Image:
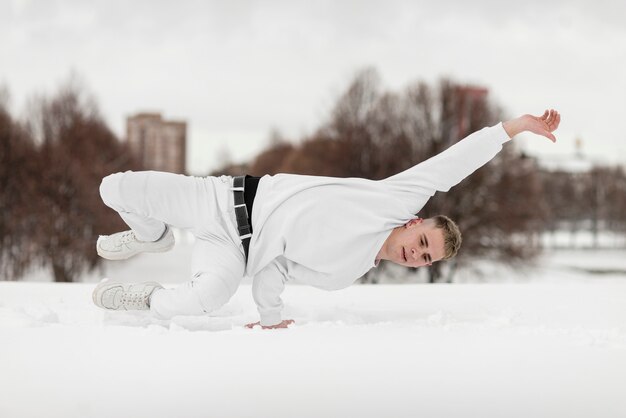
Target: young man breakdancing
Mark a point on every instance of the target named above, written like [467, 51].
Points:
[323, 231]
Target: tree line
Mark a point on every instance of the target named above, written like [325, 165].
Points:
[51, 165]
[502, 209]
[53, 159]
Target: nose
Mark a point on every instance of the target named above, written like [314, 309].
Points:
[416, 255]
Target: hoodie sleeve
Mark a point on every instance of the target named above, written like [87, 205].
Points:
[447, 168]
[267, 287]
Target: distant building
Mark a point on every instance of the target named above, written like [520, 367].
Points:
[157, 143]
[577, 162]
[468, 101]
[566, 164]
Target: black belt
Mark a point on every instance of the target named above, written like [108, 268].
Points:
[244, 190]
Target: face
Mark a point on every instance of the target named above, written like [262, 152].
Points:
[418, 243]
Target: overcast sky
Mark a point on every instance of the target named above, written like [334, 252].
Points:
[235, 69]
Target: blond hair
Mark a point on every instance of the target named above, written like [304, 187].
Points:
[451, 235]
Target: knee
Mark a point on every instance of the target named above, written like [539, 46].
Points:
[110, 189]
[212, 292]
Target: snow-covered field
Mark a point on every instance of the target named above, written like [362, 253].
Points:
[551, 343]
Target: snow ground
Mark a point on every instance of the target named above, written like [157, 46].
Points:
[543, 340]
[488, 350]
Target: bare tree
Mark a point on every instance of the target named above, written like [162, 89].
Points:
[18, 197]
[375, 134]
[272, 160]
[76, 150]
[349, 124]
[615, 200]
[593, 200]
[566, 195]
[499, 207]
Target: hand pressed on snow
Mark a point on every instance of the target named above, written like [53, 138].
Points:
[284, 324]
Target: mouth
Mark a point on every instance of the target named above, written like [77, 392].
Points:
[404, 254]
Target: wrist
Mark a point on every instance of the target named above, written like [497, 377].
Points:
[513, 127]
[270, 318]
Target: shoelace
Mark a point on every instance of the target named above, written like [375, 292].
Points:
[135, 300]
[127, 236]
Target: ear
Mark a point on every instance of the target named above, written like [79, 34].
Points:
[413, 222]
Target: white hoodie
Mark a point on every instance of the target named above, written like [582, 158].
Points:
[326, 231]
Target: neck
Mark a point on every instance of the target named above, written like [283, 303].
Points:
[382, 253]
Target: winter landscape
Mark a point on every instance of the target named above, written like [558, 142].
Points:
[529, 321]
[547, 340]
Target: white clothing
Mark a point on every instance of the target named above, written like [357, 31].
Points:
[322, 231]
[326, 232]
[148, 200]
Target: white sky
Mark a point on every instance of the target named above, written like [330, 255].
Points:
[235, 69]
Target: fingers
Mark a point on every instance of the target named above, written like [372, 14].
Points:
[284, 324]
[551, 118]
[552, 122]
[550, 136]
[557, 121]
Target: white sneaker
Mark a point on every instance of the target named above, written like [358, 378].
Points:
[119, 296]
[125, 244]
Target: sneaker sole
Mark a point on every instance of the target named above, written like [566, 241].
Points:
[94, 293]
[126, 255]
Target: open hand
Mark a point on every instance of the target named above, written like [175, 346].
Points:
[284, 324]
[543, 125]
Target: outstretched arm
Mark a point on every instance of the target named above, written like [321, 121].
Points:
[541, 125]
[417, 184]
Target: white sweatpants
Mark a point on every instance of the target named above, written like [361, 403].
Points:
[148, 200]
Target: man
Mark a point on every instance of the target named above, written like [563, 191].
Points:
[323, 231]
